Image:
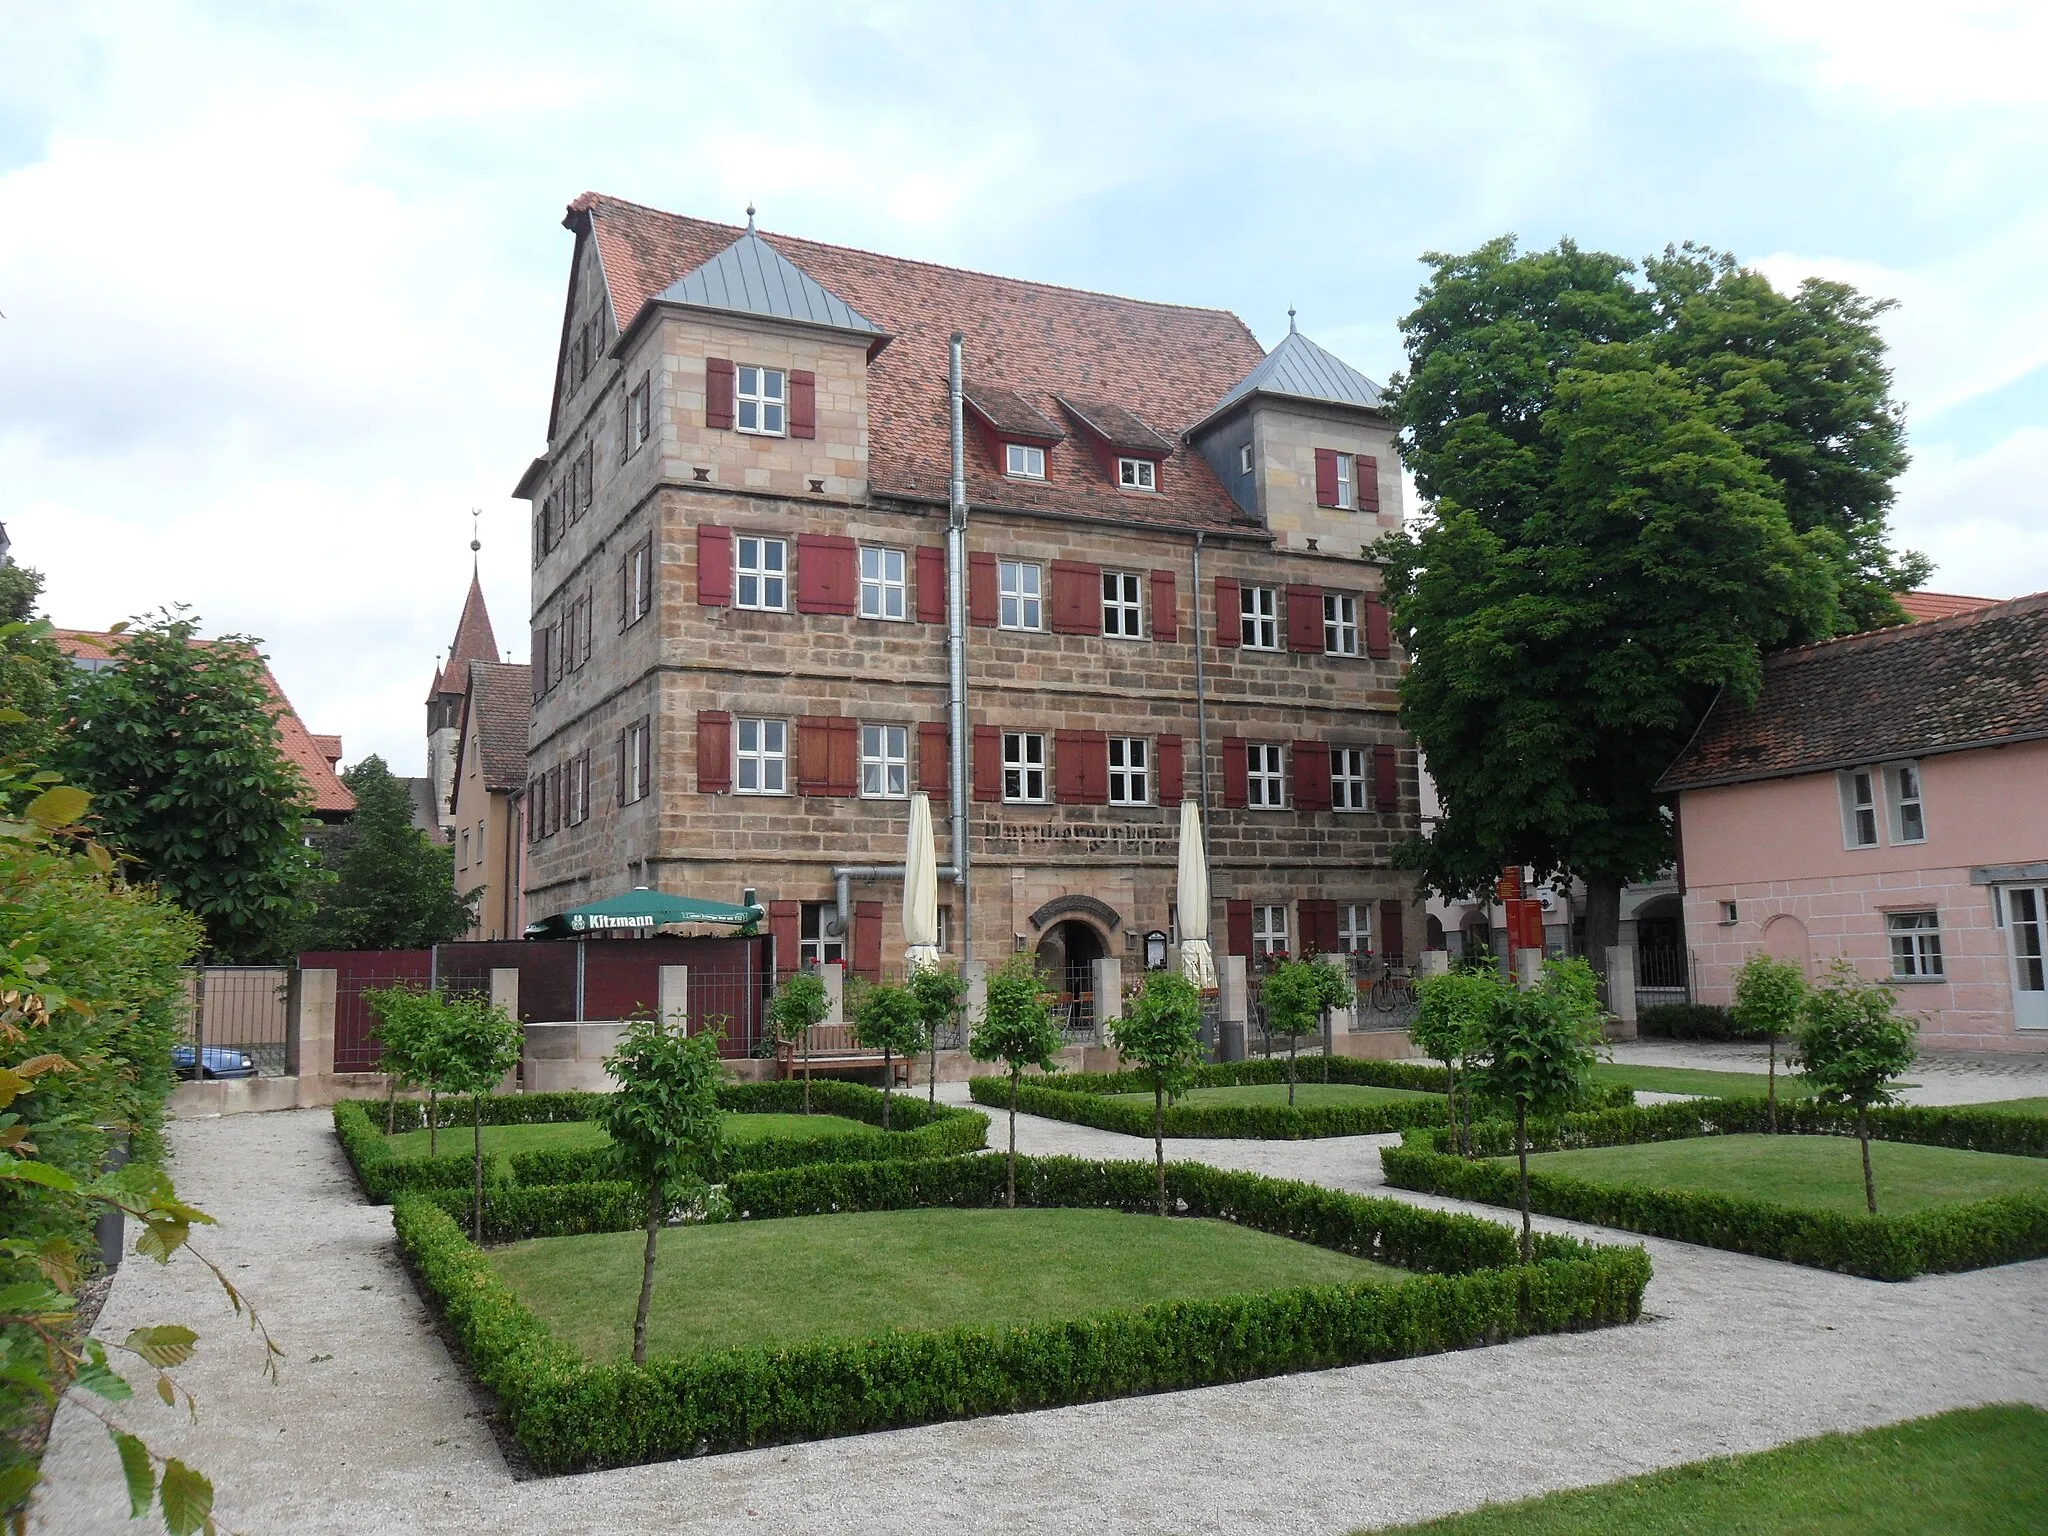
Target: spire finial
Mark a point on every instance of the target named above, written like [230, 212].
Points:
[750, 215]
[476, 542]
[1290, 319]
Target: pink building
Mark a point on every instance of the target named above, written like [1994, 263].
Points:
[1885, 799]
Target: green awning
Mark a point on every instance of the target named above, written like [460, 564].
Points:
[642, 911]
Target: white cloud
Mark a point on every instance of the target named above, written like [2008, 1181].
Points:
[1979, 516]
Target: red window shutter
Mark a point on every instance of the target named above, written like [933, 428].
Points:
[803, 403]
[1379, 643]
[1305, 619]
[714, 565]
[1167, 750]
[714, 752]
[1386, 786]
[1094, 767]
[1229, 617]
[1311, 776]
[619, 769]
[1365, 473]
[988, 763]
[843, 757]
[1237, 927]
[932, 764]
[1329, 940]
[1066, 768]
[814, 755]
[1326, 478]
[784, 918]
[1076, 598]
[1390, 941]
[826, 574]
[625, 590]
[1165, 608]
[867, 940]
[982, 604]
[1235, 785]
[718, 392]
[647, 754]
[931, 585]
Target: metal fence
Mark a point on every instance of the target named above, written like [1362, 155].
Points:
[1662, 968]
[358, 972]
[234, 1021]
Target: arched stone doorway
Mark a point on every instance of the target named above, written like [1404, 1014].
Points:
[1067, 952]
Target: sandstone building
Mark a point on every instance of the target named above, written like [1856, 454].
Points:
[739, 663]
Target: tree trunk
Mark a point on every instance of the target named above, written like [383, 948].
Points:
[888, 1079]
[931, 1082]
[1451, 1104]
[1522, 1156]
[1771, 1085]
[391, 1107]
[1863, 1135]
[1465, 1102]
[647, 1275]
[477, 1183]
[1603, 923]
[1159, 1138]
[1010, 1189]
[1329, 1044]
[807, 1069]
[1292, 1041]
[433, 1124]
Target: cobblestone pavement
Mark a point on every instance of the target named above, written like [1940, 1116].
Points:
[375, 1428]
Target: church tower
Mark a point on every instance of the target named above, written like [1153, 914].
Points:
[473, 642]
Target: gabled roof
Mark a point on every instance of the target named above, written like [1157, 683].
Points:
[1974, 679]
[473, 642]
[751, 277]
[1010, 414]
[1168, 362]
[1116, 427]
[306, 752]
[1301, 370]
[496, 712]
[1940, 605]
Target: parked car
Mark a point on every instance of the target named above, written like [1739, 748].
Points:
[212, 1061]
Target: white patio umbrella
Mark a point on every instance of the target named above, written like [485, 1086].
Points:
[1191, 896]
[921, 887]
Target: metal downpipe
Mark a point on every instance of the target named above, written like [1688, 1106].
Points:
[956, 645]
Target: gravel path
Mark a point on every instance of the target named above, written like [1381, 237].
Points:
[1938, 1077]
[1736, 1354]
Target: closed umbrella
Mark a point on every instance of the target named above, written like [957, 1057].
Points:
[921, 887]
[1191, 894]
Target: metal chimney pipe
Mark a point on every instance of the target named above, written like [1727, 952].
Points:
[956, 643]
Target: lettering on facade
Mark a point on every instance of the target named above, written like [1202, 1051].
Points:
[1071, 839]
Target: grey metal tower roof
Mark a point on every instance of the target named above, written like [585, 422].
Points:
[751, 277]
[1303, 370]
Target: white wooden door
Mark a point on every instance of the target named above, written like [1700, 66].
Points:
[2026, 944]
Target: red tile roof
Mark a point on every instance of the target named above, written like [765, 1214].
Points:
[1940, 605]
[1974, 678]
[308, 753]
[1169, 364]
[499, 706]
[473, 642]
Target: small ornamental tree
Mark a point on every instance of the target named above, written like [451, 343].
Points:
[1768, 997]
[1161, 1031]
[1452, 1010]
[938, 990]
[1853, 1046]
[890, 1020]
[1294, 995]
[402, 1014]
[1539, 1047]
[1016, 1028]
[800, 1003]
[479, 1043]
[667, 1131]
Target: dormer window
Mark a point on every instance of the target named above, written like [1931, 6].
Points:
[1244, 459]
[1137, 474]
[1022, 461]
[762, 399]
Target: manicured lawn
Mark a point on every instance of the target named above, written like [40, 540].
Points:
[2009, 1106]
[1307, 1095]
[1973, 1472]
[1720, 1085]
[776, 1282]
[506, 1140]
[1813, 1172]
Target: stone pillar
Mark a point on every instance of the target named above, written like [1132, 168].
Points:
[672, 997]
[975, 974]
[1109, 995]
[1341, 1020]
[834, 977]
[309, 1024]
[1234, 1009]
[1528, 967]
[505, 996]
[1621, 991]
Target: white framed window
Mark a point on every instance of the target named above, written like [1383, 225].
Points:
[763, 757]
[578, 776]
[1022, 461]
[1122, 613]
[1259, 618]
[884, 761]
[1908, 815]
[1023, 767]
[1269, 929]
[639, 414]
[640, 580]
[1859, 808]
[1354, 927]
[1265, 776]
[763, 574]
[762, 399]
[1244, 459]
[1130, 772]
[1137, 474]
[1347, 496]
[1020, 587]
[881, 583]
[1340, 624]
[1347, 778]
[945, 916]
[1916, 945]
[816, 945]
[639, 759]
[465, 849]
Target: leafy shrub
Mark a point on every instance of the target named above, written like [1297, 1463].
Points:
[1688, 1021]
[571, 1415]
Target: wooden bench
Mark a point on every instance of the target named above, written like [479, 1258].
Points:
[833, 1052]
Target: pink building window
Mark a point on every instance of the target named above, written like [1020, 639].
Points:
[1916, 945]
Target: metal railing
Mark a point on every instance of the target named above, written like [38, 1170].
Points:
[235, 1022]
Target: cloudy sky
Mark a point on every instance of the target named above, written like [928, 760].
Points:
[282, 283]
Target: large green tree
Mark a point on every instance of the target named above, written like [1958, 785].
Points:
[394, 887]
[178, 743]
[1634, 490]
[32, 671]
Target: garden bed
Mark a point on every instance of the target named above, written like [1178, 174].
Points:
[1717, 1187]
[551, 1138]
[1399, 1094]
[1463, 1288]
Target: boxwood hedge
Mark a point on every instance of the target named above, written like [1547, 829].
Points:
[1087, 1098]
[571, 1415]
[1969, 1235]
[917, 1130]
